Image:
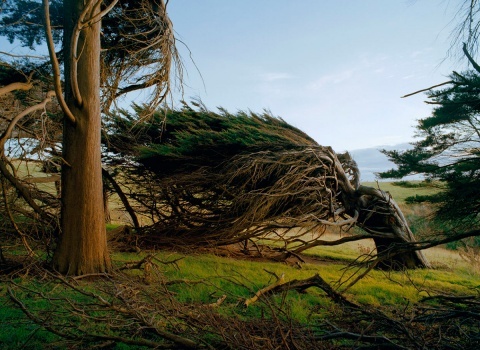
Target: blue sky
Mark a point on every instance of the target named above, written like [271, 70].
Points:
[334, 68]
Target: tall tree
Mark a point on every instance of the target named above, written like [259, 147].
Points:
[83, 244]
[139, 54]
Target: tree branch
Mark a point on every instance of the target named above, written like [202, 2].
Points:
[430, 88]
[123, 198]
[6, 134]
[470, 58]
[15, 86]
[55, 64]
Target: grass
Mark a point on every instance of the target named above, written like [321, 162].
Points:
[206, 277]
[241, 279]
[399, 193]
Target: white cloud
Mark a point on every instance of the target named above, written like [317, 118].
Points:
[330, 79]
[275, 76]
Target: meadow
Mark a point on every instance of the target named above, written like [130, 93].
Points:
[195, 280]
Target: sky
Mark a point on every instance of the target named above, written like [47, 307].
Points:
[336, 69]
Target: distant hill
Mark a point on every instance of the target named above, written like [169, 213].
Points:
[371, 161]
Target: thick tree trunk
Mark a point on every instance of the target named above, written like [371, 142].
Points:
[380, 215]
[83, 245]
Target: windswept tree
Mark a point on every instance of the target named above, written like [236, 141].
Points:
[211, 179]
[106, 49]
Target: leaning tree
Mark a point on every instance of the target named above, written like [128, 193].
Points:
[107, 49]
[209, 179]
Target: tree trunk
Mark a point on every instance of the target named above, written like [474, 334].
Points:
[82, 247]
[380, 215]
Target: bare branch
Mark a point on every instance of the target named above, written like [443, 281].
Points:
[55, 64]
[280, 280]
[470, 58]
[31, 109]
[15, 86]
[430, 88]
[21, 56]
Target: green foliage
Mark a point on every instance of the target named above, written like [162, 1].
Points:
[179, 140]
[410, 184]
[418, 199]
[448, 152]
[22, 20]
[473, 242]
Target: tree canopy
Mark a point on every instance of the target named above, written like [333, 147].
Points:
[137, 40]
[207, 178]
[448, 151]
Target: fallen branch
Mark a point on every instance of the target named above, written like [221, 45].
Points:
[263, 291]
[218, 302]
[301, 285]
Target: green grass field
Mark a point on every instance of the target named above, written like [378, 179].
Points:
[203, 278]
[206, 277]
[399, 193]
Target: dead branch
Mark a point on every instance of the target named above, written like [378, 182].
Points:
[378, 340]
[218, 302]
[263, 291]
[6, 134]
[301, 285]
[128, 310]
[14, 224]
[470, 58]
[123, 198]
[430, 88]
[15, 86]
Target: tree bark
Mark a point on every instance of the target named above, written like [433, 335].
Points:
[82, 248]
[380, 214]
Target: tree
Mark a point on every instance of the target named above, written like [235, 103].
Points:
[83, 244]
[143, 39]
[220, 178]
[449, 152]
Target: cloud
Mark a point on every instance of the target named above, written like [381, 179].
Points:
[275, 76]
[418, 53]
[330, 79]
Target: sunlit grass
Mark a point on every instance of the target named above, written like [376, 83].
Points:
[203, 278]
[399, 193]
[241, 278]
